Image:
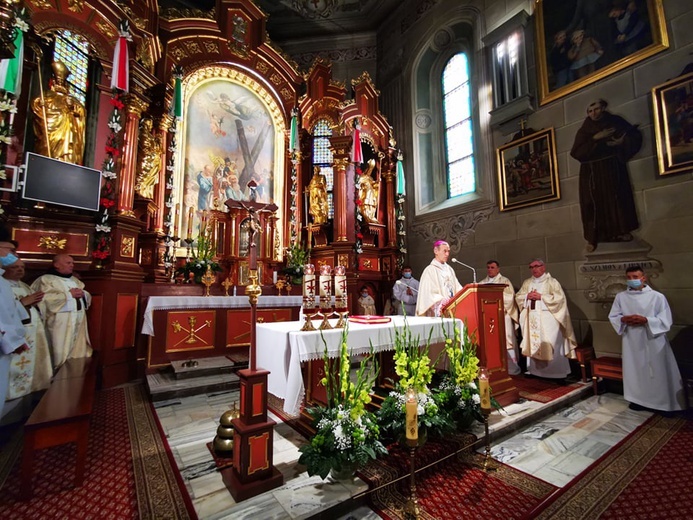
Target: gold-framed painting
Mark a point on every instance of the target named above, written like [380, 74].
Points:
[673, 109]
[528, 171]
[582, 41]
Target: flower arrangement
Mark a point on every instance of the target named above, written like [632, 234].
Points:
[457, 390]
[347, 435]
[415, 370]
[296, 258]
[102, 235]
[202, 255]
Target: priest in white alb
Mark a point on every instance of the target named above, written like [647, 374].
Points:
[30, 370]
[642, 317]
[438, 283]
[548, 340]
[512, 322]
[66, 305]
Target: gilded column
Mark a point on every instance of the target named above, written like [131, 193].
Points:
[389, 175]
[340, 154]
[128, 164]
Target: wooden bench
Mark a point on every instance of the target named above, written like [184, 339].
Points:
[607, 368]
[62, 416]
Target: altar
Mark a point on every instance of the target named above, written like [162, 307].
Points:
[282, 347]
[184, 327]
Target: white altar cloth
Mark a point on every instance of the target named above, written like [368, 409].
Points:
[159, 303]
[282, 347]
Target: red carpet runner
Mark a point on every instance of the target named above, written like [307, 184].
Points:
[453, 488]
[648, 475]
[128, 475]
[542, 390]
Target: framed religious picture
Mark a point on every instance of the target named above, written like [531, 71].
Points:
[527, 171]
[8, 178]
[582, 41]
[673, 110]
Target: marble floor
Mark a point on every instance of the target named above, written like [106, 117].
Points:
[555, 448]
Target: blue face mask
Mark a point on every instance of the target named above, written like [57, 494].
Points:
[634, 284]
[8, 260]
[364, 294]
[406, 275]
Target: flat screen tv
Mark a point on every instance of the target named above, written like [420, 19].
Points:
[57, 182]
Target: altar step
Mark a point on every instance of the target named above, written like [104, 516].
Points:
[204, 375]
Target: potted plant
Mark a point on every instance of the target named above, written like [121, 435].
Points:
[457, 388]
[296, 258]
[346, 434]
[202, 256]
[415, 370]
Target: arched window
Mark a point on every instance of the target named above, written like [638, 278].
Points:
[459, 133]
[322, 157]
[73, 50]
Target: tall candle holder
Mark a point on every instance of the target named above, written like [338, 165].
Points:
[485, 394]
[309, 309]
[411, 509]
[325, 296]
[340, 296]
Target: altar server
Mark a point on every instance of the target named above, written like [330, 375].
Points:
[642, 317]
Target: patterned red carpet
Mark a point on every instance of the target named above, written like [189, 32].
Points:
[129, 474]
[454, 488]
[542, 390]
[648, 475]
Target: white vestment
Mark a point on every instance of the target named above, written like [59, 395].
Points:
[31, 370]
[651, 377]
[365, 306]
[66, 319]
[511, 321]
[548, 339]
[11, 334]
[438, 284]
[405, 303]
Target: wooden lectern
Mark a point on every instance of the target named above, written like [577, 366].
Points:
[480, 307]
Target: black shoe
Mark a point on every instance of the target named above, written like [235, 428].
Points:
[668, 415]
[636, 407]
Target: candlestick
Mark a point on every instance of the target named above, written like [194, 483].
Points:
[484, 390]
[190, 223]
[176, 216]
[274, 278]
[412, 409]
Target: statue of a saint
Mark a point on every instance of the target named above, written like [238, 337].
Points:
[368, 194]
[59, 120]
[150, 160]
[317, 191]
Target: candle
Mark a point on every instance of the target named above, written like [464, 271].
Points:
[176, 216]
[412, 409]
[340, 282]
[274, 277]
[484, 390]
[190, 223]
[309, 281]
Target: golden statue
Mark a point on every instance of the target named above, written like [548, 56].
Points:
[368, 194]
[61, 117]
[150, 160]
[317, 190]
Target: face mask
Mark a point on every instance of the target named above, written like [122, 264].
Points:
[364, 294]
[406, 275]
[634, 284]
[8, 260]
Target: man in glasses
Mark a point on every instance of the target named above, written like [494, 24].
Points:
[548, 339]
[438, 282]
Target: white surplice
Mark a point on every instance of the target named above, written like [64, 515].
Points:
[438, 284]
[405, 303]
[511, 321]
[651, 377]
[11, 334]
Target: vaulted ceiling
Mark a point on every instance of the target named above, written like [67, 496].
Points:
[301, 19]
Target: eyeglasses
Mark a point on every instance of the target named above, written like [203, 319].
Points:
[536, 266]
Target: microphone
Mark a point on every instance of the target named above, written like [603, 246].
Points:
[455, 260]
[407, 286]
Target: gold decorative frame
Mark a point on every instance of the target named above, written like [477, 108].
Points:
[528, 171]
[552, 16]
[8, 178]
[674, 144]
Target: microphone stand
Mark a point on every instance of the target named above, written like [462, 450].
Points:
[455, 260]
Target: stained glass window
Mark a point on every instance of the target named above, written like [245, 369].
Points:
[73, 50]
[459, 133]
[322, 156]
